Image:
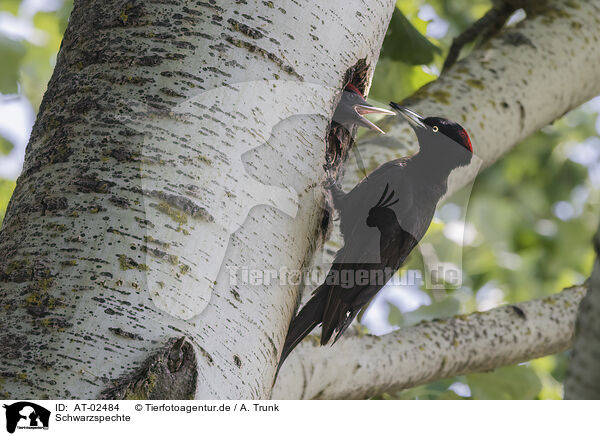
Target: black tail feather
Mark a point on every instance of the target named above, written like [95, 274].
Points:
[347, 322]
[334, 310]
[335, 315]
[305, 321]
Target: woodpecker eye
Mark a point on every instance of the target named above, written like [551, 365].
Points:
[435, 128]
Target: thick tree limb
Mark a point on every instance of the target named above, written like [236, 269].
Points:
[359, 367]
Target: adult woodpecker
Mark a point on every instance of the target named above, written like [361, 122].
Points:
[381, 219]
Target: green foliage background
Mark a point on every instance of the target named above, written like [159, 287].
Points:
[521, 247]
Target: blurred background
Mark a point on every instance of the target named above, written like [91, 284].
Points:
[530, 217]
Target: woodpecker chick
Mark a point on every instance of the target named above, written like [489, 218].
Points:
[353, 107]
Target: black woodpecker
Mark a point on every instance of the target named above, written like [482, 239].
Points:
[381, 219]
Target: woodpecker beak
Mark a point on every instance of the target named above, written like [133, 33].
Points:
[364, 109]
[413, 118]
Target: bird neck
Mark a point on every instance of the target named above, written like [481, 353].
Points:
[432, 168]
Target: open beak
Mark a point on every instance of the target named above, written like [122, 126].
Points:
[364, 109]
[412, 117]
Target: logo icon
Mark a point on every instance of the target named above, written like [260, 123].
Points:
[26, 415]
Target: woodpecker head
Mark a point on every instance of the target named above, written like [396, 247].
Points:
[439, 137]
[353, 107]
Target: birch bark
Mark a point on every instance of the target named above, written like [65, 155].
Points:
[177, 140]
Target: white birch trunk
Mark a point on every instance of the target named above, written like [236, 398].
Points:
[151, 148]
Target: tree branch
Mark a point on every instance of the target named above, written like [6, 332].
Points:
[360, 367]
[490, 23]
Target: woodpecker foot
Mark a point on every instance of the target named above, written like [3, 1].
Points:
[332, 185]
[330, 178]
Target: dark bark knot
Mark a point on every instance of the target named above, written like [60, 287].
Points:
[170, 373]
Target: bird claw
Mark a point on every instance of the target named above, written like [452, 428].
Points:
[329, 183]
[330, 179]
[332, 186]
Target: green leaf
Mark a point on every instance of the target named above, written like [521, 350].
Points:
[11, 53]
[11, 6]
[437, 390]
[5, 145]
[448, 307]
[404, 43]
[6, 189]
[63, 15]
[442, 309]
[394, 81]
[38, 63]
[519, 382]
[395, 316]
